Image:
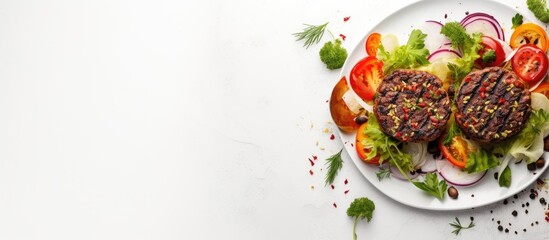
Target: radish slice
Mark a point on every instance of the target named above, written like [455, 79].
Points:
[457, 176]
[396, 173]
[429, 166]
[446, 54]
[483, 23]
[434, 40]
[389, 42]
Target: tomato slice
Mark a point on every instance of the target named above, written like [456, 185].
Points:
[456, 152]
[360, 150]
[529, 33]
[530, 63]
[543, 88]
[492, 53]
[372, 43]
[366, 76]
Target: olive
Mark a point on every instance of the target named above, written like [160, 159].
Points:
[361, 119]
[531, 166]
[453, 192]
[540, 163]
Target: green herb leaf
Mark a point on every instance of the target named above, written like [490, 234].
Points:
[468, 44]
[360, 208]
[383, 173]
[458, 227]
[539, 8]
[453, 131]
[311, 33]
[432, 186]
[333, 54]
[516, 20]
[489, 56]
[409, 56]
[335, 163]
[504, 178]
[480, 161]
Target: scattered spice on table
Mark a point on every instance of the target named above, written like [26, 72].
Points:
[345, 19]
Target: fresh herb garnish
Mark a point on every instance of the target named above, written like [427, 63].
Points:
[432, 186]
[516, 20]
[458, 227]
[383, 173]
[335, 163]
[480, 161]
[469, 46]
[360, 208]
[312, 34]
[409, 56]
[489, 56]
[333, 54]
[539, 8]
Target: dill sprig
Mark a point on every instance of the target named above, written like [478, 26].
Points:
[311, 33]
[383, 173]
[335, 163]
[458, 227]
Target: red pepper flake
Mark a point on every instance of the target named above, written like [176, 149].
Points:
[315, 157]
[398, 134]
[433, 119]
[405, 109]
[414, 124]
[332, 137]
[467, 79]
[482, 95]
[482, 89]
[346, 181]
[311, 172]
[427, 95]
[335, 205]
[501, 100]
[332, 186]
[312, 163]
[345, 19]
[346, 191]
[342, 37]
[485, 83]
[422, 104]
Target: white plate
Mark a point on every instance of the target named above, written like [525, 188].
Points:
[401, 23]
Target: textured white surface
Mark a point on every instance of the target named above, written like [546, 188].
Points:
[189, 120]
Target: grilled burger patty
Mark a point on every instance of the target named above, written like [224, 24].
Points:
[493, 104]
[412, 106]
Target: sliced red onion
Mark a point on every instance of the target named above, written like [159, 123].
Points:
[434, 40]
[457, 176]
[483, 23]
[445, 54]
[429, 166]
[396, 173]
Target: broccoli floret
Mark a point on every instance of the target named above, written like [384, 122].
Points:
[361, 208]
[333, 54]
[539, 8]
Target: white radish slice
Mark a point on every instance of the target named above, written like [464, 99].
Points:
[434, 40]
[429, 166]
[418, 151]
[509, 52]
[443, 54]
[457, 176]
[396, 173]
[484, 26]
[389, 42]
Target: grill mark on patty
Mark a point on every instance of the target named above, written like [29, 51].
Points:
[507, 117]
[493, 100]
[474, 93]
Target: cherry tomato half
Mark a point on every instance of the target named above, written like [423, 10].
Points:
[530, 63]
[360, 150]
[366, 76]
[529, 33]
[491, 54]
[456, 152]
[372, 43]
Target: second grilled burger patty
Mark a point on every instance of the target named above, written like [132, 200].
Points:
[412, 106]
[493, 104]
